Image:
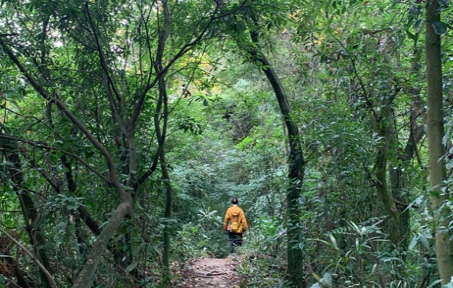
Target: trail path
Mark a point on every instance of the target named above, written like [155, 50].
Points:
[210, 272]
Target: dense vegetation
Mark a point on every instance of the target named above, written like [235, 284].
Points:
[128, 126]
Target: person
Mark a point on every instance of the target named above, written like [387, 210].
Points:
[232, 215]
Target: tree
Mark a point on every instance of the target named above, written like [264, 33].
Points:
[296, 165]
[435, 131]
[102, 82]
[255, 17]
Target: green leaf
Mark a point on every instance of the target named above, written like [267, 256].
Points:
[412, 9]
[373, 269]
[423, 240]
[418, 25]
[326, 280]
[131, 267]
[434, 283]
[443, 2]
[439, 27]
[434, 194]
[413, 243]
[334, 241]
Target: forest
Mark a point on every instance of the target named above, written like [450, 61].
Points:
[127, 126]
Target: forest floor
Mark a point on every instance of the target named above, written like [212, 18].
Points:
[208, 272]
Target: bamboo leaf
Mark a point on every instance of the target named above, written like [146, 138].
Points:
[423, 240]
[131, 267]
[333, 240]
[439, 27]
[443, 2]
[413, 243]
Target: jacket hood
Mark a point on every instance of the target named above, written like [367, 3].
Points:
[235, 210]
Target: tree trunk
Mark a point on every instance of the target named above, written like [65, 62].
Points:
[167, 215]
[85, 277]
[296, 171]
[398, 177]
[397, 182]
[161, 115]
[161, 134]
[28, 209]
[435, 128]
[123, 209]
[384, 130]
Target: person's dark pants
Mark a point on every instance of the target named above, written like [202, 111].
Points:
[235, 240]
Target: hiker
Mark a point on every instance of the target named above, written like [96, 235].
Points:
[235, 224]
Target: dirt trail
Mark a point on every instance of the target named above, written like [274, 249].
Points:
[210, 272]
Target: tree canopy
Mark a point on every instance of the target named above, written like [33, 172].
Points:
[128, 126]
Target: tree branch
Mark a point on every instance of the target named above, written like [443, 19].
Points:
[111, 83]
[63, 108]
[37, 262]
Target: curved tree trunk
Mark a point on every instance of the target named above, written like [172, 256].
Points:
[85, 277]
[435, 127]
[384, 128]
[161, 115]
[296, 168]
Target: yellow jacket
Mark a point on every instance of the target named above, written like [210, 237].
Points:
[233, 212]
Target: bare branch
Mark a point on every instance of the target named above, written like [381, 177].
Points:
[37, 262]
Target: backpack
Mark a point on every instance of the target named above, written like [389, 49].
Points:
[235, 227]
